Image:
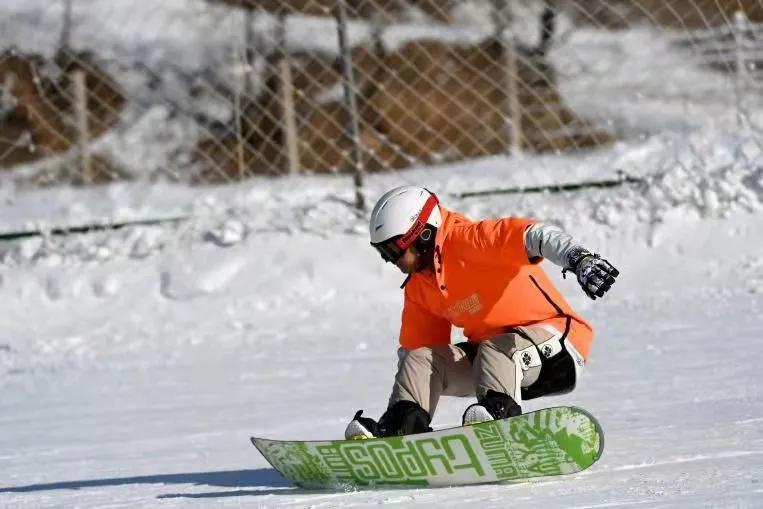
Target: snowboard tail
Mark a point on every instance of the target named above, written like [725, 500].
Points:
[552, 441]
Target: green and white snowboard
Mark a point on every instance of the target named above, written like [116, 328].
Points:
[552, 441]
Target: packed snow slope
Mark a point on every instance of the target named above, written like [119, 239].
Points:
[134, 365]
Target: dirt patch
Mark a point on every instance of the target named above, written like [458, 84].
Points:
[428, 102]
[441, 102]
[37, 109]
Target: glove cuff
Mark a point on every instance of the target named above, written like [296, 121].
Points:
[575, 256]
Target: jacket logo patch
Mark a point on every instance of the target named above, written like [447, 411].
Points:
[470, 305]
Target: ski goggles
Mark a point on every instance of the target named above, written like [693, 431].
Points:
[389, 250]
[392, 249]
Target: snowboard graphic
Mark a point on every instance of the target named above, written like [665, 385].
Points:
[552, 441]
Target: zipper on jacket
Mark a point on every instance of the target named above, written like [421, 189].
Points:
[548, 298]
[559, 310]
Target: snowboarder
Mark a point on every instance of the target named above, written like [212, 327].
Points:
[524, 339]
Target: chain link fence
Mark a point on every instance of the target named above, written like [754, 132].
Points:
[207, 92]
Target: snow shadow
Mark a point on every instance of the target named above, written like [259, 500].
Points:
[263, 477]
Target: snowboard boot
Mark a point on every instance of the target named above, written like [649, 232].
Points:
[494, 405]
[404, 418]
[361, 428]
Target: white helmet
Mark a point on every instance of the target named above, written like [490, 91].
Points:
[403, 213]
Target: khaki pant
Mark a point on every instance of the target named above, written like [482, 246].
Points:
[425, 374]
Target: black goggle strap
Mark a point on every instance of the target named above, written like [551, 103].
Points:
[387, 252]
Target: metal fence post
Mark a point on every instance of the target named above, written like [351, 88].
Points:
[740, 28]
[250, 42]
[238, 90]
[66, 25]
[351, 103]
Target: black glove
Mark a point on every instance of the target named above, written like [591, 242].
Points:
[595, 274]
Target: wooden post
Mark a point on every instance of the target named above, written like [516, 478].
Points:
[512, 109]
[351, 103]
[240, 160]
[83, 129]
[288, 114]
[290, 141]
[515, 105]
[7, 98]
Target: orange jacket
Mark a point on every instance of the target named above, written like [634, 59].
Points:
[484, 283]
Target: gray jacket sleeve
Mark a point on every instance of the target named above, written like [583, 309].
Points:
[550, 242]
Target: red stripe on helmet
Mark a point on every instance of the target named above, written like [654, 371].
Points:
[418, 225]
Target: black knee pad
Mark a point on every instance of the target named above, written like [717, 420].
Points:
[557, 376]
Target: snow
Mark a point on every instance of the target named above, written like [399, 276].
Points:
[133, 380]
[136, 363]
